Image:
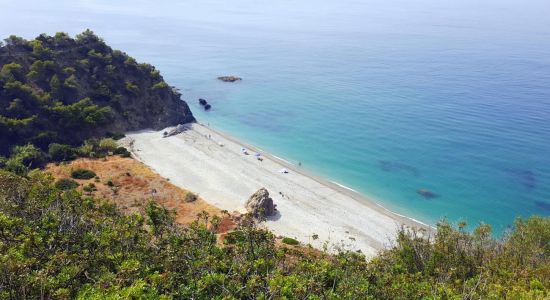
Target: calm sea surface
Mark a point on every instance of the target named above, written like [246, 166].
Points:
[385, 97]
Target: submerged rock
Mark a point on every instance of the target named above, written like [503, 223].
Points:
[543, 205]
[526, 178]
[202, 101]
[230, 78]
[427, 193]
[207, 107]
[260, 204]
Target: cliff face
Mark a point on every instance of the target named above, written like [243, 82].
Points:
[65, 90]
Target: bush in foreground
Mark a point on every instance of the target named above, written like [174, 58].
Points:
[66, 184]
[60, 152]
[82, 174]
[190, 197]
[59, 244]
[290, 241]
[123, 152]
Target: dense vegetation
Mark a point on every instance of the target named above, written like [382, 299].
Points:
[60, 96]
[28, 157]
[60, 90]
[56, 243]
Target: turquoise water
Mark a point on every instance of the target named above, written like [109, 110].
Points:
[386, 97]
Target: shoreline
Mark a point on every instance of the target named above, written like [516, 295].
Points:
[356, 195]
[210, 163]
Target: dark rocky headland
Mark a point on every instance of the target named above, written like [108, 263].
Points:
[58, 89]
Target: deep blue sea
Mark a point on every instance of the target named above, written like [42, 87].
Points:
[385, 97]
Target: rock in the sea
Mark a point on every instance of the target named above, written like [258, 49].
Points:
[207, 107]
[260, 204]
[230, 78]
[427, 193]
[202, 101]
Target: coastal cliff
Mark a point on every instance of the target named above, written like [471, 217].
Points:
[58, 89]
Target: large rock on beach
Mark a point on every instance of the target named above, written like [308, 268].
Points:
[178, 129]
[260, 204]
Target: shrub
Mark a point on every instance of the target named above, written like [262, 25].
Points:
[71, 82]
[130, 61]
[94, 54]
[55, 85]
[108, 144]
[82, 174]
[88, 148]
[116, 135]
[155, 74]
[69, 70]
[122, 152]
[190, 197]
[24, 158]
[29, 155]
[10, 71]
[234, 237]
[290, 241]
[16, 167]
[66, 184]
[160, 86]
[132, 88]
[110, 183]
[89, 188]
[60, 152]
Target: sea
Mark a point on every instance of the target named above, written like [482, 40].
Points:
[435, 109]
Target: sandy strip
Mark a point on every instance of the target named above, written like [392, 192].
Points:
[225, 177]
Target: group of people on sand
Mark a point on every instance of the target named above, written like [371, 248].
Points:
[259, 157]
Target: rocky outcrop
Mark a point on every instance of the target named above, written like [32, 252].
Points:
[178, 129]
[204, 104]
[230, 78]
[260, 204]
[79, 88]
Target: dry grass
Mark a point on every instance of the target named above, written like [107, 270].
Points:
[133, 185]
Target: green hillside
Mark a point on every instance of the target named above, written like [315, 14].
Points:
[56, 89]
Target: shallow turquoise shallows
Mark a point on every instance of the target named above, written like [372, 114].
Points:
[385, 97]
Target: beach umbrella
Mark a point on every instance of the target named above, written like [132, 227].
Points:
[258, 154]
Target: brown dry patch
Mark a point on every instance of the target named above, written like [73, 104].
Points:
[134, 184]
[227, 224]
